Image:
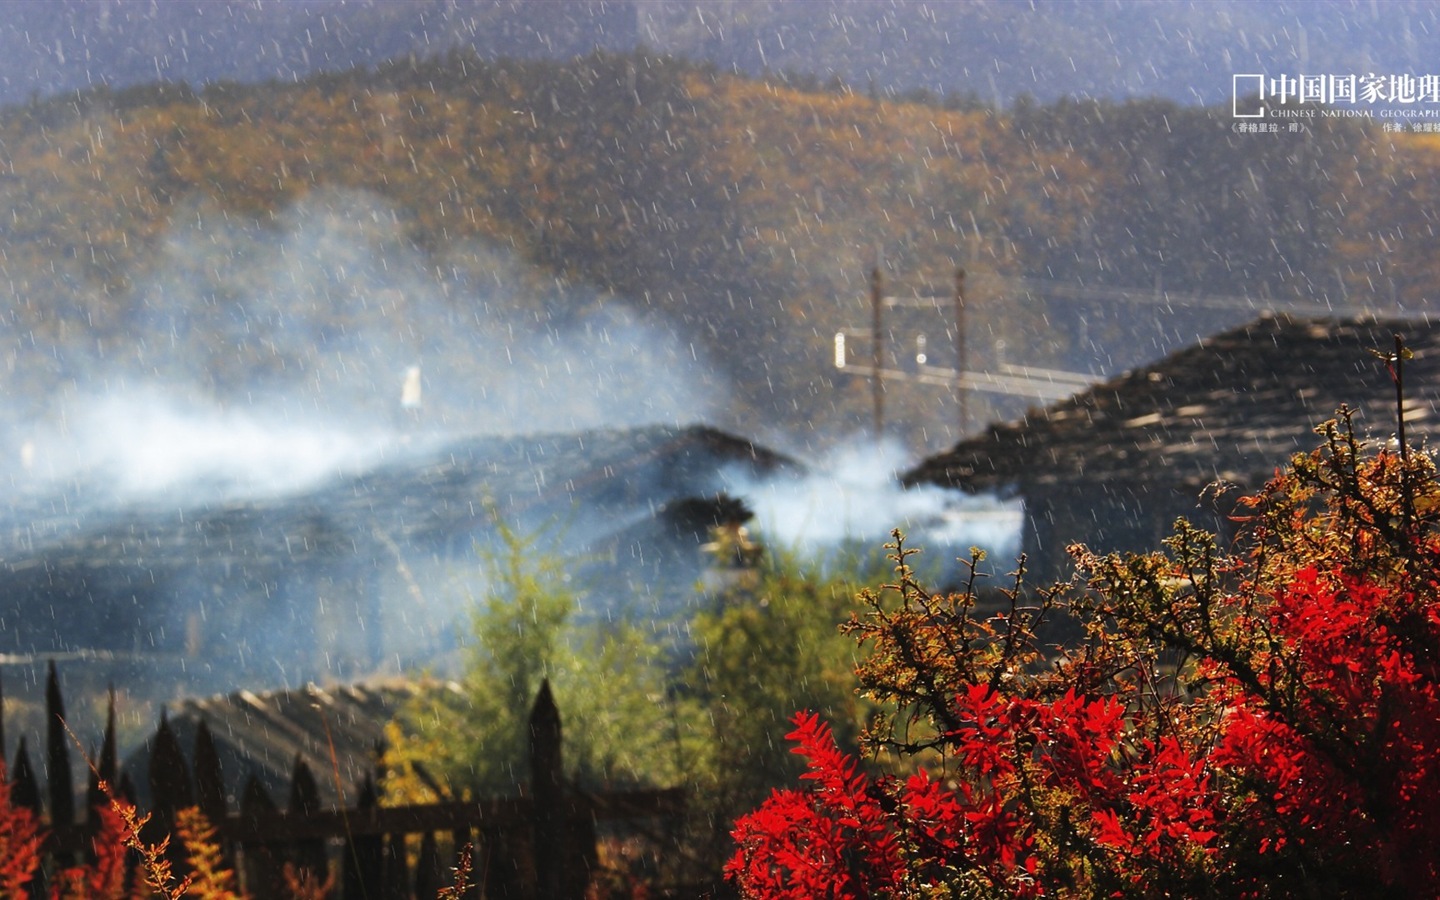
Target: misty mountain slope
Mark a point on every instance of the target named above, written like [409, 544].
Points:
[995, 50]
[631, 239]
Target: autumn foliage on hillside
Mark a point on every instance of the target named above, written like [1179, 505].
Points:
[1252, 719]
[744, 214]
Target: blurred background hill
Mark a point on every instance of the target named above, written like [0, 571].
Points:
[277, 210]
[996, 50]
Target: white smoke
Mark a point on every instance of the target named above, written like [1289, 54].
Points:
[852, 497]
[146, 443]
[258, 359]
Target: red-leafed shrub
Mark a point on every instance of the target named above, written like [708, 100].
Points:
[107, 874]
[20, 840]
[833, 841]
[1255, 720]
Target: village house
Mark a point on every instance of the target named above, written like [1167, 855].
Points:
[366, 573]
[1113, 467]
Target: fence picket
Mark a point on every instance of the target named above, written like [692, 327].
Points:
[397, 876]
[104, 770]
[263, 869]
[550, 846]
[308, 855]
[540, 845]
[364, 862]
[427, 868]
[209, 779]
[57, 754]
[24, 786]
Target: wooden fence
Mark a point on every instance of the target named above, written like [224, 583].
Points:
[538, 845]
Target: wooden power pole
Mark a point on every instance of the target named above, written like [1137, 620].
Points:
[877, 356]
[962, 360]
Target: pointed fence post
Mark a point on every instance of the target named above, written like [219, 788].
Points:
[95, 795]
[170, 791]
[2, 724]
[25, 794]
[364, 863]
[210, 790]
[307, 855]
[209, 777]
[264, 870]
[395, 882]
[547, 796]
[169, 774]
[100, 785]
[427, 868]
[57, 755]
[24, 786]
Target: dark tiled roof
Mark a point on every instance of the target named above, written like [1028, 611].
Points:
[261, 735]
[206, 584]
[1235, 406]
[423, 497]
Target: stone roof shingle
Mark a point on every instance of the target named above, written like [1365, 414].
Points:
[1233, 407]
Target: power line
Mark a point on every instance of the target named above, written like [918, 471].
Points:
[1226, 302]
[1025, 381]
[1030, 381]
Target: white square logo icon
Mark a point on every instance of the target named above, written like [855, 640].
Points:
[1247, 99]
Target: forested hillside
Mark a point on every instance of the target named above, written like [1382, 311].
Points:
[520, 228]
[997, 50]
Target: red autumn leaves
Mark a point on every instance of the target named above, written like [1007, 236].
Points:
[1257, 720]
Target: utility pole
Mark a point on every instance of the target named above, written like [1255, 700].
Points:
[962, 360]
[877, 356]
[1016, 380]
